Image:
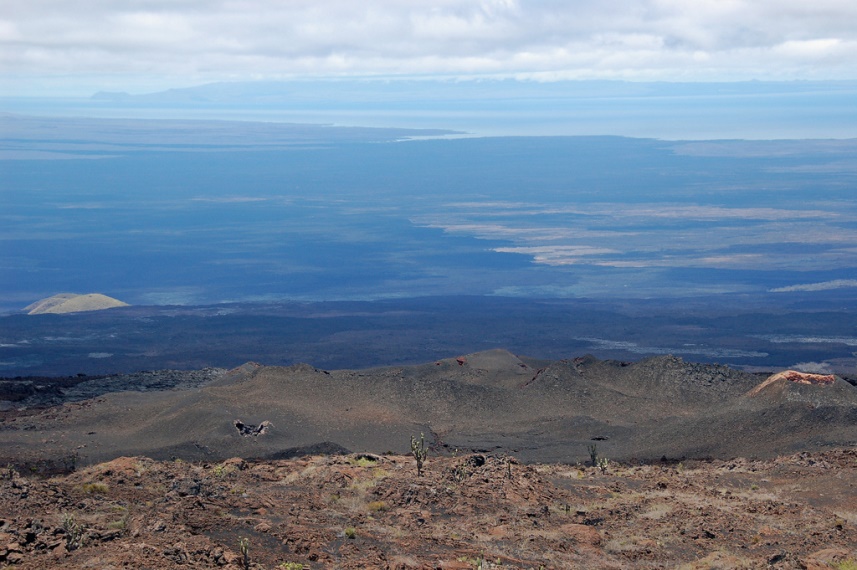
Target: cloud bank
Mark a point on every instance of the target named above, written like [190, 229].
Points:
[193, 41]
[822, 286]
[651, 235]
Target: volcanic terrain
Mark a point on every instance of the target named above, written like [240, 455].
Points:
[576, 463]
[491, 401]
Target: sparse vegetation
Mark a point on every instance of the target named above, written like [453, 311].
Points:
[222, 470]
[244, 548]
[377, 506]
[96, 488]
[122, 523]
[73, 532]
[350, 532]
[364, 461]
[460, 473]
[419, 451]
[593, 453]
[478, 562]
[600, 462]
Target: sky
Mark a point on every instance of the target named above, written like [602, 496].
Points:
[75, 48]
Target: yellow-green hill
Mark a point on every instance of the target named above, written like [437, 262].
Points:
[73, 303]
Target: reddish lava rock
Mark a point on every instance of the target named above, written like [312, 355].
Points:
[804, 377]
[469, 511]
[797, 378]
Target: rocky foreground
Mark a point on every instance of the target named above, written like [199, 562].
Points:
[532, 464]
[465, 511]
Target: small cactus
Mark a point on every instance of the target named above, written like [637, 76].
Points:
[593, 453]
[419, 451]
[73, 532]
[244, 547]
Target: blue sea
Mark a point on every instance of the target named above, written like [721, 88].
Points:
[536, 192]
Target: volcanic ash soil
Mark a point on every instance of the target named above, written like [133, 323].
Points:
[494, 401]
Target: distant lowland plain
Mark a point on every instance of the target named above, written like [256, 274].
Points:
[347, 247]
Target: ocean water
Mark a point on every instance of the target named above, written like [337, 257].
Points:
[595, 217]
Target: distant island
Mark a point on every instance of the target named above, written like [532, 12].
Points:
[73, 303]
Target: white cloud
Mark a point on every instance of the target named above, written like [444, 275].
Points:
[797, 339]
[606, 344]
[720, 213]
[645, 235]
[559, 254]
[822, 286]
[813, 367]
[229, 199]
[187, 41]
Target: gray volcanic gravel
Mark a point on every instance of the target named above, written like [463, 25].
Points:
[493, 401]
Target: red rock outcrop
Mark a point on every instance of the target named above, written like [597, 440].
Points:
[797, 378]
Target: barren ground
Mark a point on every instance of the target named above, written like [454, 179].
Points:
[469, 511]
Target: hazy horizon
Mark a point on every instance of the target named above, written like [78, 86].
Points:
[640, 68]
[666, 111]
